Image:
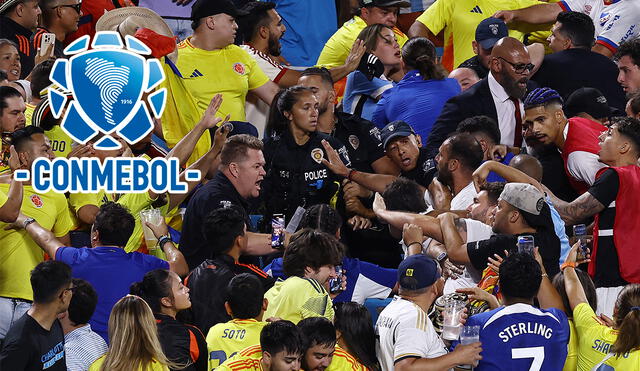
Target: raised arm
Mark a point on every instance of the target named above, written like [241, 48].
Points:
[535, 14]
[572, 284]
[548, 296]
[176, 260]
[510, 174]
[10, 211]
[578, 210]
[453, 241]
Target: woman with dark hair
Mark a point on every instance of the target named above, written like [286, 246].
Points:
[293, 151]
[361, 91]
[601, 347]
[166, 295]
[355, 333]
[419, 97]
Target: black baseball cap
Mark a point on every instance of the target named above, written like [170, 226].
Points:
[587, 100]
[489, 31]
[206, 8]
[395, 129]
[417, 272]
[383, 3]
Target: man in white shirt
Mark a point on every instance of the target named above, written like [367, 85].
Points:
[458, 157]
[406, 337]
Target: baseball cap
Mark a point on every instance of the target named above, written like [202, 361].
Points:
[6, 4]
[489, 31]
[395, 129]
[524, 197]
[383, 3]
[206, 8]
[241, 127]
[417, 272]
[587, 100]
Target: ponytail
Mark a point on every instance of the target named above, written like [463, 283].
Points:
[283, 102]
[321, 217]
[627, 320]
[420, 54]
[154, 286]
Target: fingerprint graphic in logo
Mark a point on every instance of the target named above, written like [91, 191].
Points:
[110, 80]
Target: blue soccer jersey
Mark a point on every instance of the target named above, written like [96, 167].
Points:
[522, 337]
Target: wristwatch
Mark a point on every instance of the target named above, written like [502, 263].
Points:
[27, 222]
[442, 256]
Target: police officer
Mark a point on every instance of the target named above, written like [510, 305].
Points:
[293, 154]
[360, 136]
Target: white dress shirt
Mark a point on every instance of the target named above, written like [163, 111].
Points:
[506, 111]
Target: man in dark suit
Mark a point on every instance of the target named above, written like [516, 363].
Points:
[499, 96]
[573, 65]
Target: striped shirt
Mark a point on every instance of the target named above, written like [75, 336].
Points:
[82, 347]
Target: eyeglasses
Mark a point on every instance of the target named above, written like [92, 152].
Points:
[520, 67]
[72, 289]
[74, 6]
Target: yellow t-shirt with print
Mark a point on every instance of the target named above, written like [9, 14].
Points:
[61, 143]
[596, 340]
[19, 254]
[154, 366]
[224, 340]
[337, 48]
[459, 20]
[295, 299]
[572, 349]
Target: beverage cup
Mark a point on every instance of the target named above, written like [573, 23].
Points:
[451, 325]
[153, 216]
[470, 335]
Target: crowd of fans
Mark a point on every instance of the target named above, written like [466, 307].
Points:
[359, 183]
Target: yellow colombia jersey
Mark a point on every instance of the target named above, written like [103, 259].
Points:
[572, 349]
[343, 361]
[224, 340]
[246, 359]
[61, 144]
[28, 113]
[19, 254]
[596, 340]
[337, 48]
[295, 299]
[154, 366]
[459, 19]
[230, 71]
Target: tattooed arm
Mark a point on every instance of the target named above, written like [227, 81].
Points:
[581, 208]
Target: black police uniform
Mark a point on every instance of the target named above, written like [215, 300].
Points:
[362, 140]
[424, 171]
[295, 173]
[217, 193]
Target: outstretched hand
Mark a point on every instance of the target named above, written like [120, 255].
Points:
[334, 162]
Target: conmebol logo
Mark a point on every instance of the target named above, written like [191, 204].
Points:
[107, 83]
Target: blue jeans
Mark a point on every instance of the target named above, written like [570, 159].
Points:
[10, 311]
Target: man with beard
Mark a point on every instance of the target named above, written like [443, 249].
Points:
[499, 96]
[262, 29]
[576, 138]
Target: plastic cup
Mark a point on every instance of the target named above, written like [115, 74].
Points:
[451, 316]
[153, 216]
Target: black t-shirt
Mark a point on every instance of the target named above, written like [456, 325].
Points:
[217, 193]
[182, 344]
[30, 347]
[424, 171]
[362, 140]
[605, 190]
[479, 252]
